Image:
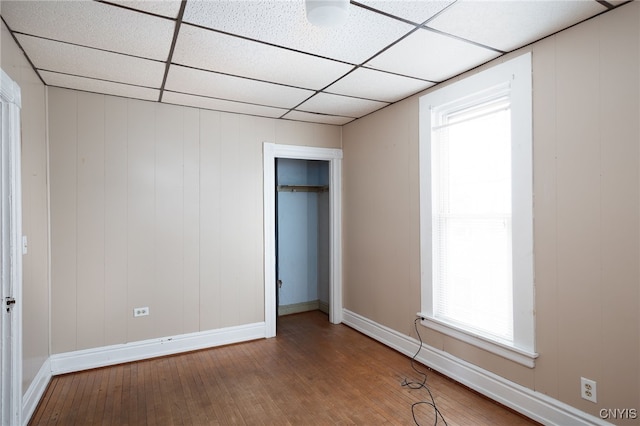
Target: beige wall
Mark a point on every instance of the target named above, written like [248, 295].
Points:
[586, 189]
[160, 206]
[35, 215]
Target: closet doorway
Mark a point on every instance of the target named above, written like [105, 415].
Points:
[332, 156]
[302, 236]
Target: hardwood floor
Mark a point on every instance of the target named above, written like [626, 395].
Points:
[314, 372]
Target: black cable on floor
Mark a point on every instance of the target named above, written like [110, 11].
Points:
[422, 384]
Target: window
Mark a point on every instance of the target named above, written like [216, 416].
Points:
[476, 210]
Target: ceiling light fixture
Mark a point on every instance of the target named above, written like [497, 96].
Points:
[327, 13]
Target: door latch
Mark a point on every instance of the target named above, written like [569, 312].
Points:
[10, 302]
[279, 283]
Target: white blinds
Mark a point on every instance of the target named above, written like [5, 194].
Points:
[471, 229]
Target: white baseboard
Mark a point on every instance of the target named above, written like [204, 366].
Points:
[117, 354]
[530, 403]
[36, 390]
[534, 405]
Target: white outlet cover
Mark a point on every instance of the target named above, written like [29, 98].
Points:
[140, 312]
[588, 389]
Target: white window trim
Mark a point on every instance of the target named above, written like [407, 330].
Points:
[517, 72]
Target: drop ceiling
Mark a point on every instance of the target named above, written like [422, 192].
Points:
[263, 58]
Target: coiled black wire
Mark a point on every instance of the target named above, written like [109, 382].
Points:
[421, 384]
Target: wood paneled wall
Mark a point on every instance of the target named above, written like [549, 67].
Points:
[161, 206]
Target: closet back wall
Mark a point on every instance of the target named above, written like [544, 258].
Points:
[160, 206]
[303, 235]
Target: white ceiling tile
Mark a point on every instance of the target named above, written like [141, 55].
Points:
[264, 58]
[378, 85]
[416, 11]
[201, 48]
[204, 83]
[92, 24]
[221, 105]
[326, 103]
[318, 118]
[284, 23]
[507, 25]
[169, 8]
[83, 61]
[431, 56]
[99, 86]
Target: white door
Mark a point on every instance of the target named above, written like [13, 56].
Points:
[11, 254]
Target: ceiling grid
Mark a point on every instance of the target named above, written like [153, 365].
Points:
[262, 57]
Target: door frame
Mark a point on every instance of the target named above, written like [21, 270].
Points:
[11, 254]
[272, 151]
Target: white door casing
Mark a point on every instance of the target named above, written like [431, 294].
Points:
[272, 151]
[11, 255]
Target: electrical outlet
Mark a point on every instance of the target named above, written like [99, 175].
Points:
[141, 312]
[588, 390]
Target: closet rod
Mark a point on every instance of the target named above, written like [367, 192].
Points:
[303, 188]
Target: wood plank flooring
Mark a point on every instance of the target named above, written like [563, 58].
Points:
[312, 373]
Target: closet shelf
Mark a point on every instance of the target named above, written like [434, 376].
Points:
[303, 188]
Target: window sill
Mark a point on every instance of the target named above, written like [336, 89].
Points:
[511, 353]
